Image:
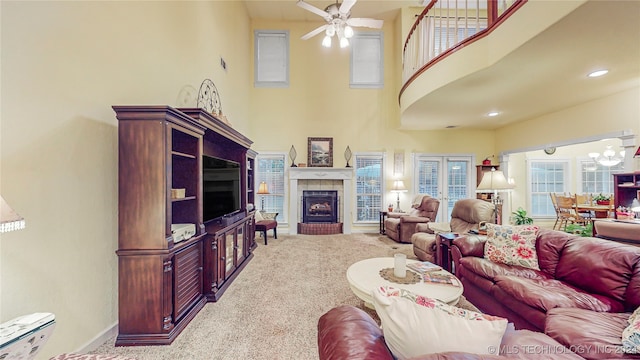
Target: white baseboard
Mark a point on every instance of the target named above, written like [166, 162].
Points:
[99, 339]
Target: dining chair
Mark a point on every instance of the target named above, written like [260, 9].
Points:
[583, 199]
[555, 207]
[567, 212]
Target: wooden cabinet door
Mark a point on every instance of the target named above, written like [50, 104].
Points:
[187, 279]
[240, 247]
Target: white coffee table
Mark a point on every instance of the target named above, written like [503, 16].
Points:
[364, 276]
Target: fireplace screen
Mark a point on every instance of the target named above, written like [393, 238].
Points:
[320, 206]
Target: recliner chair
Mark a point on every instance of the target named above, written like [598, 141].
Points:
[400, 226]
[466, 215]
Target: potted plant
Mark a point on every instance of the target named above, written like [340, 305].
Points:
[582, 230]
[602, 199]
[520, 217]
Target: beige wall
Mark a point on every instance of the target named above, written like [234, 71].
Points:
[63, 65]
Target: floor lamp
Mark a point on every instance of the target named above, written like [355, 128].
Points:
[492, 182]
[398, 187]
[263, 190]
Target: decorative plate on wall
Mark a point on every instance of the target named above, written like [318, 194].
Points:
[208, 98]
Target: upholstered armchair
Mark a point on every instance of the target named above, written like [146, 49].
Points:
[466, 215]
[400, 226]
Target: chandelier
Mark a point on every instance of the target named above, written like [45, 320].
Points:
[341, 29]
[608, 157]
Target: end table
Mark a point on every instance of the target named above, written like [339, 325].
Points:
[383, 215]
[444, 251]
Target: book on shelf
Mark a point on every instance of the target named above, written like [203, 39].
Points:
[423, 267]
[438, 278]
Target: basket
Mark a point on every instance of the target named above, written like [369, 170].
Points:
[624, 215]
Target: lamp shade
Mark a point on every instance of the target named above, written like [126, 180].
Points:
[9, 219]
[398, 186]
[493, 180]
[263, 189]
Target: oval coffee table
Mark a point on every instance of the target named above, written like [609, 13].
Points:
[364, 276]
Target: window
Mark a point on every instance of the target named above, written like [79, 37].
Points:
[546, 177]
[271, 60]
[271, 171]
[596, 178]
[367, 60]
[369, 186]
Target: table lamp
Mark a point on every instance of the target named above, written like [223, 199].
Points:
[492, 182]
[635, 206]
[398, 187]
[263, 190]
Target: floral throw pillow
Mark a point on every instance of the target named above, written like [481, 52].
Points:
[631, 334]
[512, 245]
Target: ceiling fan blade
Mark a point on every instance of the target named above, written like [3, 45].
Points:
[313, 33]
[346, 6]
[364, 22]
[314, 9]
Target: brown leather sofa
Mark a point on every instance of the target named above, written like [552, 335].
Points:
[466, 215]
[400, 226]
[596, 275]
[348, 333]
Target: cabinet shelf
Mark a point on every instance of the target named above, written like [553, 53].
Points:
[186, 198]
[183, 155]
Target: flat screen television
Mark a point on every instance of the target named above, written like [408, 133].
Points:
[220, 187]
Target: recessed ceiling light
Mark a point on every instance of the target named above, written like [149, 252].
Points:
[598, 73]
[493, 113]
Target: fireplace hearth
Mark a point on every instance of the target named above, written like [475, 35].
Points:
[319, 206]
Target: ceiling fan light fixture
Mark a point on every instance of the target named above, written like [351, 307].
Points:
[326, 42]
[344, 42]
[348, 32]
[331, 30]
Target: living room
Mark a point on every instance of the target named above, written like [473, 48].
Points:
[64, 64]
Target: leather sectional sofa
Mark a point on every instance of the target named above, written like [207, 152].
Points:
[582, 295]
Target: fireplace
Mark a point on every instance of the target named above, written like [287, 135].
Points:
[319, 206]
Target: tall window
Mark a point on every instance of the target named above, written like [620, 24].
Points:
[367, 70]
[271, 171]
[596, 178]
[271, 52]
[369, 186]
[546, 177]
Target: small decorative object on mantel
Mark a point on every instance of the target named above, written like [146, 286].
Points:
[486, 161]
[347, 155]
[292, 156]
[320, 152]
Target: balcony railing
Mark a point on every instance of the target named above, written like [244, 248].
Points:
[447, 25]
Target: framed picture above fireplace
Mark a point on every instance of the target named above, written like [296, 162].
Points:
[320, 152]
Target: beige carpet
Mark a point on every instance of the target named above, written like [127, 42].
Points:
[272, 308]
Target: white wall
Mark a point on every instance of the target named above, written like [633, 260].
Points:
[64, 64]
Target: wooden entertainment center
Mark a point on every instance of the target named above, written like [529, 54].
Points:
[162, 282]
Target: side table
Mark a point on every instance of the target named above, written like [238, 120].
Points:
[444, 250]
[383, 215]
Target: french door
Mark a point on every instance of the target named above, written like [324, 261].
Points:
[447, 178]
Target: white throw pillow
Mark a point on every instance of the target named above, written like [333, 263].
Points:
[415, 325]
[259, 216]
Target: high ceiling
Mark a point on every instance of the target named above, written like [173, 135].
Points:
[546, 74]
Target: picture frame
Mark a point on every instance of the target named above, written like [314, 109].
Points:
[320, 152]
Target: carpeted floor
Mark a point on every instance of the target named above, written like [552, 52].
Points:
[271, 310]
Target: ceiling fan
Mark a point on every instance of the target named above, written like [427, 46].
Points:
[339, 22]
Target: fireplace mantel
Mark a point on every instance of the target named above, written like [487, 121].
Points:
[314, 173]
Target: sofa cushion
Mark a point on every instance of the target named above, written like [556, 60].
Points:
[549, 246]
[546, 294]
[602, 267]
[512, 245]
[415, 325]
[593, 335]
[490, 270]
